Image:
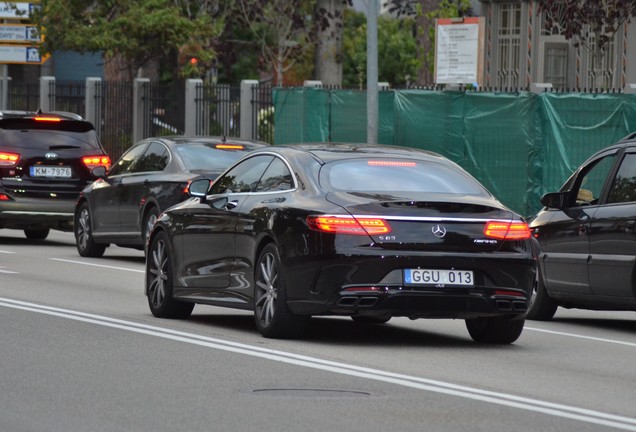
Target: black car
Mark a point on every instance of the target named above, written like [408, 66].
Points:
[587, 235]
[122, 205]
[45, 161]
[364, 231]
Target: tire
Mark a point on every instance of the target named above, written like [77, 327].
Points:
[542, 307]
[363, 319]
[36, 234]
[159, 279]
[146, 228]
[86, 245]
[495, 330]
[271, 314]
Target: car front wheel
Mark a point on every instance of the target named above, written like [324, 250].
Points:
[159, 281]
[495, 330]
[271, 313]
[84, 241]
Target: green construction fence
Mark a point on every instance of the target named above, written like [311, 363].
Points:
[518, 145]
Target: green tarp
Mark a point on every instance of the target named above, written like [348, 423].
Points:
[519, 145]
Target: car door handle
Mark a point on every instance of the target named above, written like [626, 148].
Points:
[231, 205]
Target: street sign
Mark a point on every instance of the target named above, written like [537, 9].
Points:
[19, 33]
[21, 54]
[17, 10]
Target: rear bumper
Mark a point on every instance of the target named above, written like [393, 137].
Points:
[374, 285]
[30, 213]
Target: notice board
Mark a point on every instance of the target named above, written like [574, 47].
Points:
[459, 47]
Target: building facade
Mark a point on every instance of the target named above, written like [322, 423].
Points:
[520, 51]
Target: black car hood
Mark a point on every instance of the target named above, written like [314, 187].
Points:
[415, 218]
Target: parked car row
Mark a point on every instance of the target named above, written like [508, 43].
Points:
[366, 231]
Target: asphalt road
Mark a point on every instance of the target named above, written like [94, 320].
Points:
[80, 351]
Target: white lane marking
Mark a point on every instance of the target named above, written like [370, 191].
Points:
[7, 271]
[504, 399]
[7, 252]
[97, 265]
[631, 344]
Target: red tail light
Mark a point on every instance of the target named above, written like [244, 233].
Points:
[507, 230]
[348, 225]
[229, 146]
[4, 197]
[48, 119]
[95, 161]
[9, 159]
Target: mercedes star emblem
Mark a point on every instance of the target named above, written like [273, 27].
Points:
[439, 231]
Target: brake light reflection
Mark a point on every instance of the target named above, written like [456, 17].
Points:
[229, 146]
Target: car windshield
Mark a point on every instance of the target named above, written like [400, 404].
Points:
[207, 156]
[389, 175]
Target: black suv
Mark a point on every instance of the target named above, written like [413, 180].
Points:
[45, 161]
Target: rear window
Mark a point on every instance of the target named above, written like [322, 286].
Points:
[28, 133]
[203, 156]
[393, 175]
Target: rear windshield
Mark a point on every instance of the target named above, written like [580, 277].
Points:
[391, 175]
[204, 156]
[28, 133]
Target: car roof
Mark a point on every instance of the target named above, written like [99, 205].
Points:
[328, 152]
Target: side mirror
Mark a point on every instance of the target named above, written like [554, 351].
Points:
[99, 172]
[556, 200]
[199, 188]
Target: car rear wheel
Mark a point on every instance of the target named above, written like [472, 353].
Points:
[159, 281]
[495, 330]
[542, 307]
[36, 234]
[271, 313]
[84, 241]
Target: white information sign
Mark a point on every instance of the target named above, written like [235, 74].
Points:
[19, 33]
[18, 10]
[457, 53]
[21, 54]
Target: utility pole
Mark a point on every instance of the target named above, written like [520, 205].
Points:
[372, 72]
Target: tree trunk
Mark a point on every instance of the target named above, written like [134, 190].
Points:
[425, 46]
[328, 55]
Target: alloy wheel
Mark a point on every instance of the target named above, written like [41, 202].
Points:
[266, 289]
[158, 269]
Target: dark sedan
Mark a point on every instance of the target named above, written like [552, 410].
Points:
[364, 231]
[121, 206]
[587, 234]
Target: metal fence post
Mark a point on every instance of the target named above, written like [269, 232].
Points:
[91, 109]
[191, 111]
[247, 109]
[139, 108]
[47, 100]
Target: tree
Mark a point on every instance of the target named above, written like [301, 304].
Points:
[425, 13]
[134, 33]
[284, 30]
[396, 47]
[590, 24]
[328, 56]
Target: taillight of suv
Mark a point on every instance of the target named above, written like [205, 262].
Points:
[9, 159]
[95, 161]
